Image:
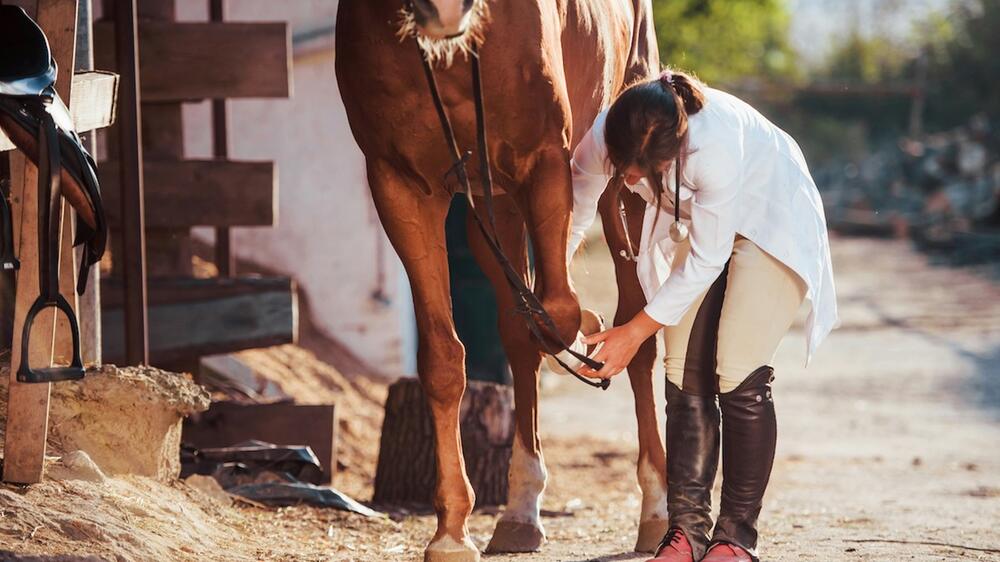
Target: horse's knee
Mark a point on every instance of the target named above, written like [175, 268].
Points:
[441, 364]
[564, 308]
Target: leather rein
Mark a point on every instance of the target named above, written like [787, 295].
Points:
[539, 321]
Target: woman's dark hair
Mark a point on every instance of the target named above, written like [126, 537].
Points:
[647, 125]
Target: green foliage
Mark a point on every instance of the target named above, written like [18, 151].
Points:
[725, 40]
[964, 67]
[866, 60]
[959, 51]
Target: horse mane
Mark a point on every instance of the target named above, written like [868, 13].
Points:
[444, 50]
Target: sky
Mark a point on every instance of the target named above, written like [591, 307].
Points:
[816, 23]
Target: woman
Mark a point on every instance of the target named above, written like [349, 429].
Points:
[724, 283]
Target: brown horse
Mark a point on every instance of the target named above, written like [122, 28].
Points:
[549, 66]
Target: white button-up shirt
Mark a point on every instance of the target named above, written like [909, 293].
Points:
[743, 176]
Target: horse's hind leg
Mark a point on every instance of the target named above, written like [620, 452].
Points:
[652, 467]
[414, 223]
[519, 529]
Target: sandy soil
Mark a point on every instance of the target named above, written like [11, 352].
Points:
[890, 435]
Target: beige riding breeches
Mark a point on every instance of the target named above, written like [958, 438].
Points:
[736, 325]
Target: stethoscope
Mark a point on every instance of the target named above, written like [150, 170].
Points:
[678, 230]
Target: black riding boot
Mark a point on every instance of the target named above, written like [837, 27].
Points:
[692, 461]
[749, 431]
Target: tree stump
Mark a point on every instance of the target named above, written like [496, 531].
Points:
[407, 467]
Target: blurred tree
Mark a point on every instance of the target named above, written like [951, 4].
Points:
[866, 60]
[725, 40]
[964, 55]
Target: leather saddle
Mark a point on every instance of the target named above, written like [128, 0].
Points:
[39, 124]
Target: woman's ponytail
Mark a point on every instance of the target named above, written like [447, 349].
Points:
[685, 87]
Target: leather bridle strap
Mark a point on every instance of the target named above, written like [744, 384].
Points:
[8, 260]
[528, 303]
[49, 191]
[49, 207]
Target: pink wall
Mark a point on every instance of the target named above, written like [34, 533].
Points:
[328, 236]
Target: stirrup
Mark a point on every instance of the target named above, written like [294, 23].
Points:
[75, 370]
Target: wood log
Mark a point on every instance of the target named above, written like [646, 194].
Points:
[407, 466]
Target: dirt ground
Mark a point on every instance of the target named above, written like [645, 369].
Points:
[888, 442]
[889, 449]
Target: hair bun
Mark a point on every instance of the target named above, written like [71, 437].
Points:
[687, 88]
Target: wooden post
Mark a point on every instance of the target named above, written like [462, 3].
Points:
[28, 404]
[225, 260]
[167, 247]
[919, 97]
[90, 301]
[133, 245]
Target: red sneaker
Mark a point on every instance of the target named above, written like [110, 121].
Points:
[674, 548]
[724, 552]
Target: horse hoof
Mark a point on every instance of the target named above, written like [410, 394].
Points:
[514, 536]
[650, 534]
[590, 322]
[447, 549]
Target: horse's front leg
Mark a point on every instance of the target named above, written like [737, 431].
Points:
[651, 467]
[547, 204]
[414, 223]
[520, 528]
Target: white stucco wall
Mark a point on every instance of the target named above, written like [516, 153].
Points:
[328, 236]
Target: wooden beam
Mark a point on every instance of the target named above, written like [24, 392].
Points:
[95, 100]
[195, 317]
[195, 60]
[92, 103]
[201, 193]
[132, 258]
[28, 404]
[186, 290]
[168, 249]
[225, 258]
[90, 301]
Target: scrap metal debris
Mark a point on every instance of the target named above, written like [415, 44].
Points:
[276, 475]
[934, 188]
[296, 493]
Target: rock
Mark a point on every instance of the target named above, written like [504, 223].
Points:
[75, 465]
[210, 487]
[128, 420]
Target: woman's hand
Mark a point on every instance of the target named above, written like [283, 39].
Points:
[620, 345]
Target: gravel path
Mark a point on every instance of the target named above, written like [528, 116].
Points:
[891, 434]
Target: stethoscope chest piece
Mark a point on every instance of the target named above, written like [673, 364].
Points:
[678, 231]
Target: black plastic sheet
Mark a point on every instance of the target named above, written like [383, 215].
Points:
[298, 493]
[277, 475]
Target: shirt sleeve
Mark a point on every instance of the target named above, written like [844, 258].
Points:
[715, 172]
[590, 178]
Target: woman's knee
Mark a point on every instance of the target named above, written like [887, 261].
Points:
[675, 372]
[732, 375]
